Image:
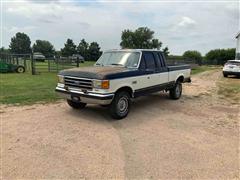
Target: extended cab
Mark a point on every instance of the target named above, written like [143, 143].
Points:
[120, 76]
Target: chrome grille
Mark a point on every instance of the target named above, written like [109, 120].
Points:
[80, 83]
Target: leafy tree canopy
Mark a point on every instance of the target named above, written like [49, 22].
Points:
[141, 38]
[45, 47]
[69, 48]
[193, 55]
[220, 56]
[83, 49]
[94, 51]
[20, 44]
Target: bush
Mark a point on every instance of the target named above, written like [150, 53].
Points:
[193, 55]
[219, 56]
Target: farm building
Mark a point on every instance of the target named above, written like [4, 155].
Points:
[238, 46]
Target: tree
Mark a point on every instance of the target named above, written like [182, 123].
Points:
[3, 50]
[141, 38]
[220, 56]
[83, 49]
[165, 51]
[69, 48]
[94, 51]
[20, 44]
[45, 47]
[193, 55]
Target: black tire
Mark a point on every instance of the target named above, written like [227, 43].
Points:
[225, 75]
[120, 106]
[176, 91]
[76, 105]
[20, 69]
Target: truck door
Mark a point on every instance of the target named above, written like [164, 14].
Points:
[162, 68]
[150, 69]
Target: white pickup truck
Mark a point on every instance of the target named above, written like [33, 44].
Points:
[120, 76]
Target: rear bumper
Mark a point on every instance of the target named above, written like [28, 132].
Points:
[89, 98]
[231, 73]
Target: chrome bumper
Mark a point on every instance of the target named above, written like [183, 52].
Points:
[89, 98]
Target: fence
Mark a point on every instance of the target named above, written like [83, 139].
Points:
[36, 66]
[55, 64]
[180, 60]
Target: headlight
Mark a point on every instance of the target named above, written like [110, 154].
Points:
[61, 79]
[101, 84]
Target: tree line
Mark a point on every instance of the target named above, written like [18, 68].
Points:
[141, 38]
[212, 57]
[21, 44]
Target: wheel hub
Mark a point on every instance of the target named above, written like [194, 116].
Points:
[123, 104]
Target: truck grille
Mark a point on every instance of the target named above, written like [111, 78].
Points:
[80, 83]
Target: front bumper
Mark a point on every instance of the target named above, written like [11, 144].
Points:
[85, 97]
[231, 73]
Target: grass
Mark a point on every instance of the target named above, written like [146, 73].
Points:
[229, 88]
[21, 89]
[204, 68]
[27, 89]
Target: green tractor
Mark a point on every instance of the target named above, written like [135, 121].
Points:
[5, 67]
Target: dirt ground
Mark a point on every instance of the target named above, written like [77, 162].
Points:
[194, 137]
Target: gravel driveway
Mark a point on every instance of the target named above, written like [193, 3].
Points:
[194, 137]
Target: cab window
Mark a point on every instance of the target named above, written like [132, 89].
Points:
[149, 60]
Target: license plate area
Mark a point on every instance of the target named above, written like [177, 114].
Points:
[75, 98]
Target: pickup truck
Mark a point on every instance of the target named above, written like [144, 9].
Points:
[118, 77]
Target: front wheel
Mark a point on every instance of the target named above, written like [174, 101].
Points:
[176, 91]
[76, 105]
[120, 105]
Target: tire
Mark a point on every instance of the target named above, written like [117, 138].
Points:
[176, 91]
[225, 75]
[76, 105]
[120, 106]
[20, 69]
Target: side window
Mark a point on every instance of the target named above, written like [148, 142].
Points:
[161, 57]
[149, 59]
[157, 60]
[142, 64]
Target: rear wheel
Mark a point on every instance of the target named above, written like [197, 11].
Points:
[176, 91]
[76, 105]
[20, 69]
[120, 105]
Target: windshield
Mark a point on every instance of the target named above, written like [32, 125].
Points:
[119, 58]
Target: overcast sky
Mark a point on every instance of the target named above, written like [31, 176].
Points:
[181, 25]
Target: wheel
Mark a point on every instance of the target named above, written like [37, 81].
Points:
[20, 69]
[76, 105]
[225, 75]
[176, 91]
[120, 105]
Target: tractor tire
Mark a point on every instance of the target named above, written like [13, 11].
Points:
[20, 69]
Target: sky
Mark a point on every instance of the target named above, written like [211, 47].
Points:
[180, 25]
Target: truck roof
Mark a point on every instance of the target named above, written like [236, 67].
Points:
[132, 50]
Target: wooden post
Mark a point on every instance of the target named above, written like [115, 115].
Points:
[48, 64]
[33, 65]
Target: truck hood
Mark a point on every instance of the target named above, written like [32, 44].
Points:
[95, 72]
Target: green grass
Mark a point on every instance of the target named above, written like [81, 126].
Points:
[201, 69]
[29, 89]
[229, 88]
